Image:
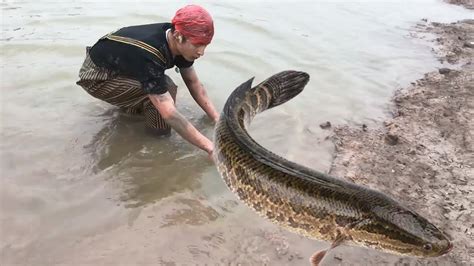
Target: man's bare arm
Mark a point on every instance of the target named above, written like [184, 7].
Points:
[198, 92]
[165, 105]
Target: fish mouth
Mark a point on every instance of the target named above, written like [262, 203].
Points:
[448, 249]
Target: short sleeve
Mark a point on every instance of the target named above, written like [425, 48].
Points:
[154, 86]
[153, 81]
[180, 62]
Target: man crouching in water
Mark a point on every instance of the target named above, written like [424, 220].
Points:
[126, 68]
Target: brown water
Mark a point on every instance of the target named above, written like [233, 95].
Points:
[83, 185]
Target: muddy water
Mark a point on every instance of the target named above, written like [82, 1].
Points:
[83, 185]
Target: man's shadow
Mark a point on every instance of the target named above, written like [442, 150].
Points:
[148, 167]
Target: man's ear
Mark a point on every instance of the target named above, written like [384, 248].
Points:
[177, 35]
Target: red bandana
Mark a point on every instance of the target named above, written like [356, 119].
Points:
[195, 23]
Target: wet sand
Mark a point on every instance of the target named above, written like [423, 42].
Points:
[469, 4]
[424, 155]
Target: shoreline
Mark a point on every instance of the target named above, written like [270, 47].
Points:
[469, 4]
[423, 155]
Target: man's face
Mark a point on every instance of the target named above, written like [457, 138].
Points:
[190, 51]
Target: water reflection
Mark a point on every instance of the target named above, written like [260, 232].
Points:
[148, 167]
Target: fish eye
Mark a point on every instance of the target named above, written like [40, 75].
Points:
[427, 247]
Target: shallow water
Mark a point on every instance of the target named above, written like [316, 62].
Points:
[81, 184]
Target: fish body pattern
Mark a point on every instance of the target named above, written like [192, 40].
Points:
[304, 200]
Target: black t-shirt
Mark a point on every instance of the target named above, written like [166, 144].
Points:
[137, 63]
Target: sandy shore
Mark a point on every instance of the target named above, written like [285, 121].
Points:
[469, 4]
[424, 155]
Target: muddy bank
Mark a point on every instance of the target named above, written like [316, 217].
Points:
[424, 155]
[469, 4]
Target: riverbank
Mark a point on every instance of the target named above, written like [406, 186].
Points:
[423, 155]
[469, 4]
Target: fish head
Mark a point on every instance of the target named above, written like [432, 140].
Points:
[401, 231]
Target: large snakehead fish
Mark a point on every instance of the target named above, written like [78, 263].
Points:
[306, 201]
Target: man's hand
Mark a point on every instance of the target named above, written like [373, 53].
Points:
[165, 105]
[210, 155]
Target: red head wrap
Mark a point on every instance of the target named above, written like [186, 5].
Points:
[195, 23]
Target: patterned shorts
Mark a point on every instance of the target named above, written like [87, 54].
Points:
[123, 92]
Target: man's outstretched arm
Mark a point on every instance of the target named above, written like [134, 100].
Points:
[198, 92]
[165, 105]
